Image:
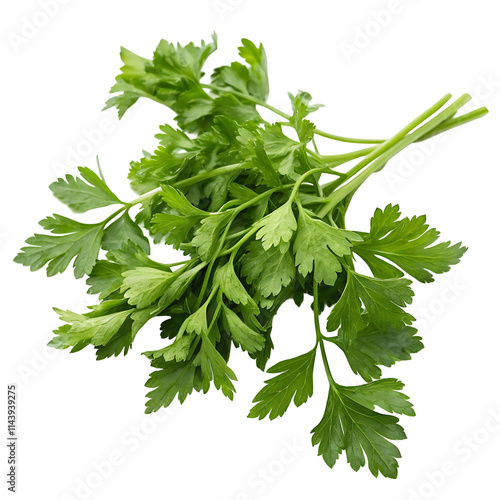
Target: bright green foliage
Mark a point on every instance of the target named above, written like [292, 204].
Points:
[244, 202]
[124, 229]
[374, 347]
[318, 246]
[232, 287]
[351, 424]
[242, 334]
[406, 243]
[301, 108]
[294, 382]
[69, 240]
[83, 193]
[277, 228]
[172, 379]
[268, 271]
[383, 302]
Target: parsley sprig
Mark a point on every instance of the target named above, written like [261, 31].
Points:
[244, 200]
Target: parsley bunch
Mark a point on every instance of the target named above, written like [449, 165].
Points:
[245, 201]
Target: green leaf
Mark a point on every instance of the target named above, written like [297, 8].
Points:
[237, 109]
[301, 107]
[175, 228]
[98, 330]
[249, 339]
[255, 57]
[171, 379]
[251, 79]
[213, 367]
[383, 301]
[145, 285]
[268, 271]
[122, 231]
[197, 322]
[172, 77]
[318, 246]
[176, 351]
[70, 240]
[176, 200]
[261, 161]
[105, 278]
[360, 431]
[382, 393]
[120, 342]
[182, 278]
[207, 237]
[406, 243]
[294, 382]
[232, 287]
[83, 193]
[282, 151]
[277, 228]
[374, 347]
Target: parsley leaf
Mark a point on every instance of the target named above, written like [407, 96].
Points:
[83, 193]
[406, 243]
[277, 228]
[268, 271]
[318, 246]
[294, 382]
[383, 301]
[122, 231]
[69, 240]
[351, 424]
[374, 347]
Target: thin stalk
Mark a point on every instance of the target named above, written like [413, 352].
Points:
[319, 337]
[335, 160]
[455, 122]
[239, 243]
[205, 284]
[387, 145]
[388, 152]
[352, 140]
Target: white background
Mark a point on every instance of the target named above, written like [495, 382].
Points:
[76, 413]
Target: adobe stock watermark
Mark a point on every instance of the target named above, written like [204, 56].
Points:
[369, 31]
[430, 313]
[32, 25]
[129, 442]
[223, 7]
[265, 476]
[463, 450]
[84, 148]
[483, 91]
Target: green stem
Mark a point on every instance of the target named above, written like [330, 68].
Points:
[334, 160]
[304, 176]
[215, 316]
[352, 140]
[261, 196]
[204, 285]
[319, 337]
[455, 122]
[182, 262]
[286, 116]
[386, 151]
[240, 242]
